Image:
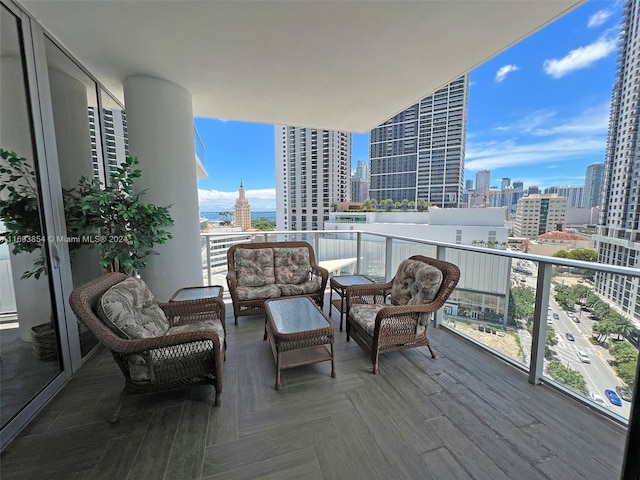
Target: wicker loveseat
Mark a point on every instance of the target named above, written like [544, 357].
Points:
[158, 346]
[393, 316]
[259, 271]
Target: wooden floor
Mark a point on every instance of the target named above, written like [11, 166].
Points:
[464, 415]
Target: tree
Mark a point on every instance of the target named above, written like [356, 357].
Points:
[624, 352]
[583, 254]
[263, 223]
[523, 301]
[561, 254]
[227, 217]
[422, 205]
[567, 377]
[387, 204]
[404, 204]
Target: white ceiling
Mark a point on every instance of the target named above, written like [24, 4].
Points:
[343, 65]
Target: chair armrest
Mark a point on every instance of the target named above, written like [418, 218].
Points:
[370, 293]
[139, 345]
[321, 272]
[232, 282]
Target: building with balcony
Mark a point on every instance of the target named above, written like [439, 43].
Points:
[419, 153]
[619, 224]
[540, 213]
[573, 193]
[313, 173]
[360, 182]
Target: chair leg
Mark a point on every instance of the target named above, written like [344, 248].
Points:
[235, 322]
[433, 354]
[217, 400]
[374, 358]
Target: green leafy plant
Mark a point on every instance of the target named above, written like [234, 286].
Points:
[19, 209]
[117, 221]
[110, 217]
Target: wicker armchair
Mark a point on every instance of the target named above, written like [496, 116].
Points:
[190, 352]
[393, 316]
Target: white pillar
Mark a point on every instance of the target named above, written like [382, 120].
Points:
[160, 127]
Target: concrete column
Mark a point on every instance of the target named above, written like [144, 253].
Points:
[160, 126]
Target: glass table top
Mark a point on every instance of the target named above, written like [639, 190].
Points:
[348, 280]
[197, 293]
[294, 315]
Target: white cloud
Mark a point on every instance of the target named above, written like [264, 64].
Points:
[509, 153]
[216, 201]
[502, 72]
[530, 122]
[599, 18]
[580, 58]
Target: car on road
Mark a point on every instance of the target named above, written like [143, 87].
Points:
[569, 336]
[624, 393]
[555, 315]
[584, 358]
[597, 398]
[549, 322]
[613, 398]
[523, 270]
[573, 317]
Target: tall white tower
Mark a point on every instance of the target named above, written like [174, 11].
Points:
[619, 223]
[313, 173]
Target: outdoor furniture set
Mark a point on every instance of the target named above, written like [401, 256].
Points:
[162, 346]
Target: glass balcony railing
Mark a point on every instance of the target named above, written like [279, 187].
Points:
[553, 318]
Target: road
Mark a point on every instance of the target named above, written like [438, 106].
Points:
[598, 375]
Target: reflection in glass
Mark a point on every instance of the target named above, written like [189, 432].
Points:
[28, 339]
[114, 121]
[74, 103]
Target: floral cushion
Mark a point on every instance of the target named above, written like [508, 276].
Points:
[415, 283]
[254, 267]
[365, 315]
[312, 286]
[292, 265]
[152, 366]
[256, 293]
[129, 309]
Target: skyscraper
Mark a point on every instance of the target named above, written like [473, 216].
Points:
[483, 183]
[243, 210]
[313, 172]
[360, 182]
[618, 229]
[593, 182]
[419, 153]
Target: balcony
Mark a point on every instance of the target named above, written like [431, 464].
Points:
[466, 414]
[480, 410]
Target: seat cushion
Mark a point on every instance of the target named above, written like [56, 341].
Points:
[129, 309]
[292, 265]
[254, 267]
[364, 314]
[415, 283]
[158, 363]
[312, 286]
[256, 293]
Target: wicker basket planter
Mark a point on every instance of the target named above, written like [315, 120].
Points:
[44, 341]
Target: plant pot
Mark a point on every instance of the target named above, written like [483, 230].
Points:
[44, 342]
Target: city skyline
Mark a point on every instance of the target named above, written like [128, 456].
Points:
[538, 113]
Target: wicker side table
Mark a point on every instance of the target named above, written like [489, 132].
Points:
[197, 293]
[298, 333]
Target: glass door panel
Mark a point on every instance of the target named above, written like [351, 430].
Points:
[76, 119]
[29, 345]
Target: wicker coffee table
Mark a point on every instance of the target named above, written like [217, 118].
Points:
[298, 333]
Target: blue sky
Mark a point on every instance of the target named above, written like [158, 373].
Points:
[538, 112]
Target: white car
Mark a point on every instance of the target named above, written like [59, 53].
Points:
[597, 398]
[583, 357]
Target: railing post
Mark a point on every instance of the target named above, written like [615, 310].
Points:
[440, 255]
[358, 252]
[539, 336]
[388, 253]
[208, 247]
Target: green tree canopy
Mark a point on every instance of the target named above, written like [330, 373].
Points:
[568, 377]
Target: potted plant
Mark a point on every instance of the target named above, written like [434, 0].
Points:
[112, 218]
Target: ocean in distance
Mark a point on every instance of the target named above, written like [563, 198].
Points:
[215, 217]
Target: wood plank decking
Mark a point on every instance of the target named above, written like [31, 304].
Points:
[464, 415]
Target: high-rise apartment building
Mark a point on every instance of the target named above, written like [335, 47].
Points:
[574, 194]
[593, 182]
[538, 214]
[419, 153]
[313, 171]
[483, 184]
[243, 210]
[619, 223]
[360, 182]
[114, 124]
